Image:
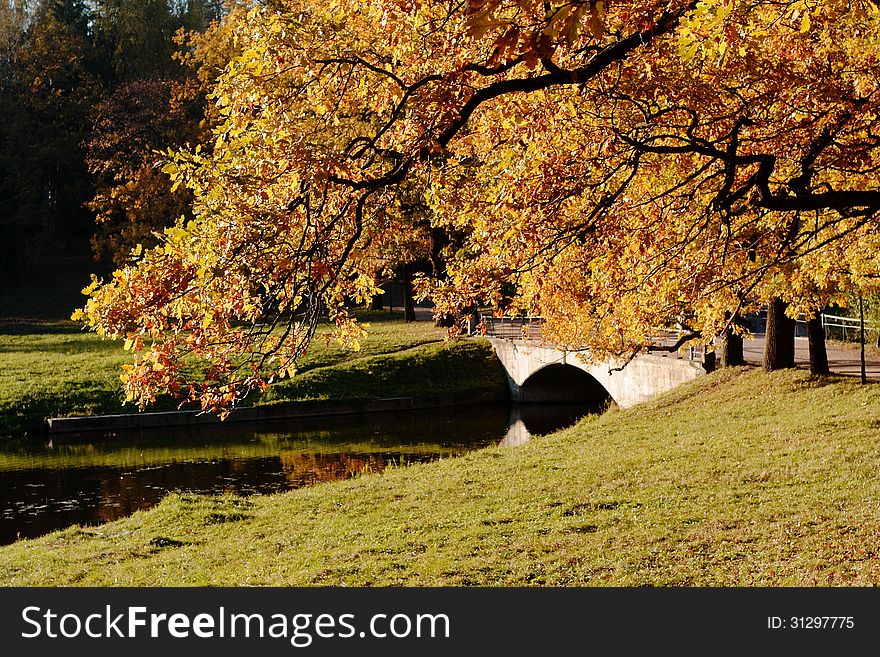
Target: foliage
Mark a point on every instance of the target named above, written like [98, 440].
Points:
[723, 168]
[614, 168]
[60, 60]
[134, 198]
[51, 85]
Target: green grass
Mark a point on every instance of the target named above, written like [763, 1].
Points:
[738, 478]
[465, 369]
[54, 368]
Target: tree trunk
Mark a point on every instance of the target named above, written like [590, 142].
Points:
[730, 348]
[445, 321]
[818, 353]
[779, 337]
[376, 302]
[409, 310]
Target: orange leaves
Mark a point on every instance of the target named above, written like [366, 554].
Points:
[612, 206]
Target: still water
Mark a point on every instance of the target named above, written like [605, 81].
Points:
[46, 486]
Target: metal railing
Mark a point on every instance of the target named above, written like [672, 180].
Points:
[847, 322]
[512, 328]
[662, 338]
[529, 328]
[847, 325]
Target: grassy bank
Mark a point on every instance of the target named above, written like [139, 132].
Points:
[739, 478]
[55, 369]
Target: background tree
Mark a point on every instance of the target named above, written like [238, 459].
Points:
[52, 82]
[13, 21]
[134, 198]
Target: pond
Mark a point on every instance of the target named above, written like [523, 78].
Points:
[46, 486]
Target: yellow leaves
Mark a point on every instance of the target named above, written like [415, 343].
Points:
[687, 50]
[597, 19]
[91, 287]
[805, 23]
[529, 188]
[703, 31]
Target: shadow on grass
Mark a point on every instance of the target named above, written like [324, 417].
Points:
[26, 327]
[61, 348]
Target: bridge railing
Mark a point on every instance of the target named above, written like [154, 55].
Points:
[512, 328]
[663, 338]
[529, 328]
[850, 326]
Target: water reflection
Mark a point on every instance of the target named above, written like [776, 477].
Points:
[48, 486]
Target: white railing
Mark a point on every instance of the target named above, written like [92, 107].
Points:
[847, 322]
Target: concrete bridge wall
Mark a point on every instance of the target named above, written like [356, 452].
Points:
[644, 377]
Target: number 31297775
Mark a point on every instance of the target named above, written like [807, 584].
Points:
[811, 623]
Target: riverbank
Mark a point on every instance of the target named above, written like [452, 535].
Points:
[55, 369]
[738, 478]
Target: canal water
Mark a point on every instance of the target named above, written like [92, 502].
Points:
[46, 486]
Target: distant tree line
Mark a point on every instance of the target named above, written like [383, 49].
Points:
[90, 90]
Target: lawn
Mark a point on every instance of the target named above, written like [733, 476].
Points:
[738, 478]
[55, 368]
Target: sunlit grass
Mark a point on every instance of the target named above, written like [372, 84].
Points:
[52, 369]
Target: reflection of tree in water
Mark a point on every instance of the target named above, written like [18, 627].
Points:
[119, 499]
[307, 469]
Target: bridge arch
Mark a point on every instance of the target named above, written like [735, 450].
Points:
[563, 383]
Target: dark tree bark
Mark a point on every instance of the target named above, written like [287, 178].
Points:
[779, 338]
[409, 309]
[818, 352]
[376, 302]
[730, 347]
[445, 321]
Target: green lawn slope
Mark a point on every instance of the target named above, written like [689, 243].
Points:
[738, 478]
[55, 369]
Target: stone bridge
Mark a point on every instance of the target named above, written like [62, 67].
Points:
[541, 373]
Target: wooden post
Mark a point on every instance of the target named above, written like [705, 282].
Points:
[862, 337]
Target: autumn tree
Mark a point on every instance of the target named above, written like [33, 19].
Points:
[614, 168]
[159, 104]
[136, 38]
[61, 60]
[12, 28]
[134, 199]
[690, 183]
